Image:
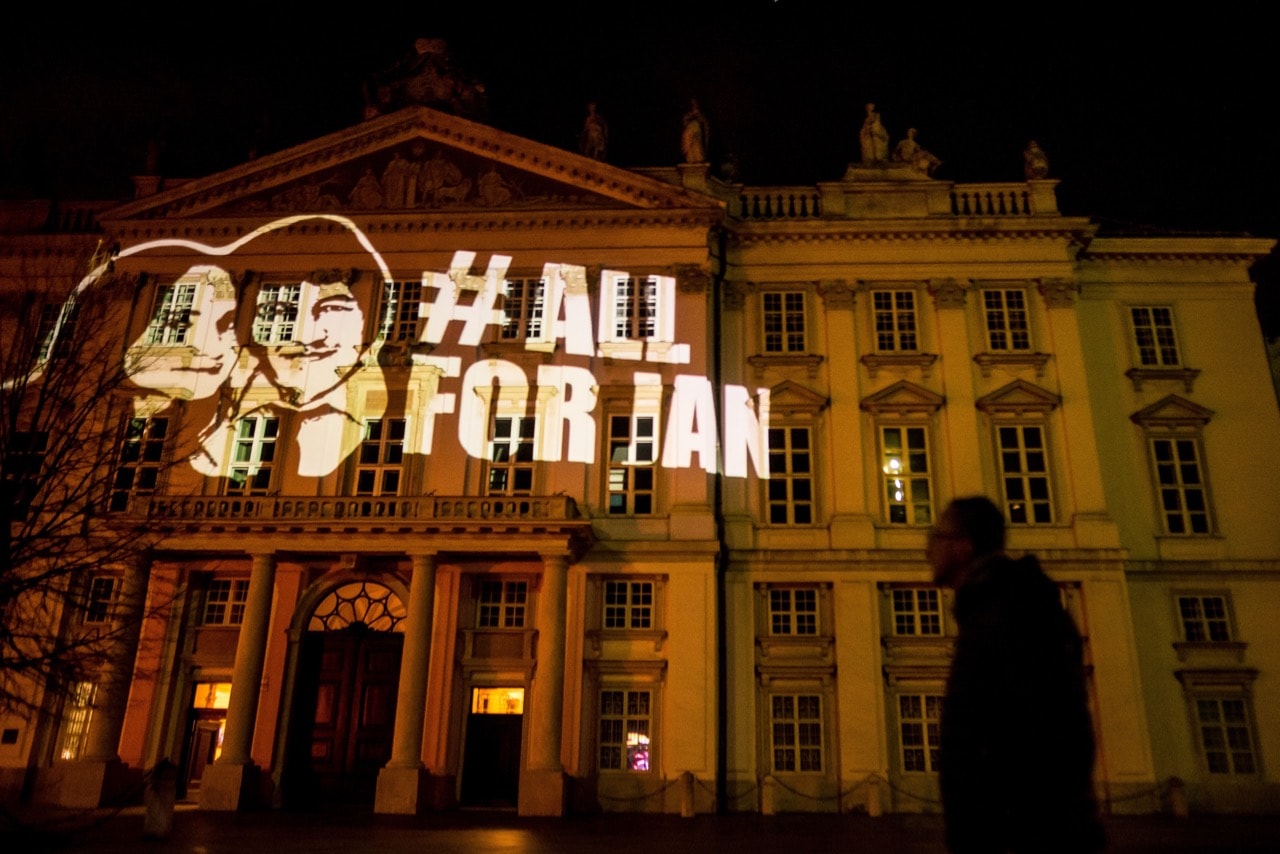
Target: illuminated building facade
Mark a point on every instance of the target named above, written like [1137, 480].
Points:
[491, 474]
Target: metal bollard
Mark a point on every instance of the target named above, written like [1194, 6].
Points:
[1178, 798]
[874, 808]
[686, 795]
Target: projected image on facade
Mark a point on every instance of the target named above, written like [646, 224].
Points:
[242, 353]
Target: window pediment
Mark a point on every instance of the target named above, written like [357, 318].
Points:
[1017, 398]
[1172, 411]
[903, 398]
[789, 398]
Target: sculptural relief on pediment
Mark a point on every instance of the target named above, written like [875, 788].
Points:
[418, 176]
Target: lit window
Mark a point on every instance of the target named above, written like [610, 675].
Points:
[905, 465]
[401, 311]
[917, 611]
[171, 314]
[1184, 500]
[77, 712]
[796, 732]
[1226, 735]
[895, 319]
[1204, 618]
[254, 455]
[628, 604]
[225, 601]
[790, 483]
[1006, 319]
[381, 457]
[523, 309]
[793, 611]
[1024, 472]
[635, 308]
[919, 719]
[142, 453]
[276, 321]
[633, 442]
[502, 604]
[625, 727]
[1154, 336]
[510, 468]
[100, 599]
[784, 322]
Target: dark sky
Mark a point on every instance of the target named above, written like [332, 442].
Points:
[1148, 123]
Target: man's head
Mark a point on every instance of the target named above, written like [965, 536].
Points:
[969, 529]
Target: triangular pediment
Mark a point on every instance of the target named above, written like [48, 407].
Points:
[412, 163]
[1018, 397]
[789, 398]
[903, 398]
[1172, 411]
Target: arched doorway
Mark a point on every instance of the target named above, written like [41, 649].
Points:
[344, 700]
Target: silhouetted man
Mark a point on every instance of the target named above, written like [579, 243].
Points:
[1017, 742]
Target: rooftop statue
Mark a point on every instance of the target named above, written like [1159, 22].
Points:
[874, 138]
[910, 152]
[693, 139]
[593, 141]
[1035, 162]
[426, 78]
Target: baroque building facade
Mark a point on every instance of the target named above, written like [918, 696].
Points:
[484, 473]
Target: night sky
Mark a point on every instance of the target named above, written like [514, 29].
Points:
[1163, 124]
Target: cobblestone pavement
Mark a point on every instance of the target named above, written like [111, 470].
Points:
[356, 830]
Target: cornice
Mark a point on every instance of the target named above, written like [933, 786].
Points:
[941, 230]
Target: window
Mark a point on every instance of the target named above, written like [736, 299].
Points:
[1024, 472]
[255, 451]
[1183, 498]
[793, 611]
[784, 322]
[171, 314]
[502, 604]
[21, 467]
[225, 601]
[1006, 319]
[511, 456]
[1204, 618]
[919, 717]
[625, 726]
[917, 611]
[523, 309]
[1225, 735]
[381, 457]
[57, 331]
[905, 464]
[635, 308]
[796, 732]
[790, 484]
[277, 318]
[100, 599]
[628, 604]
[77, 712]
[142, 453]
[633, 442]
[895, 319]
[1154, 336]
[401, 311]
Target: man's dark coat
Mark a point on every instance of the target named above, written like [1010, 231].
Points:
[1017, 741]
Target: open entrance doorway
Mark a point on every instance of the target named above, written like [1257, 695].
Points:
[345, 704]
[206, 724]
[491, 755]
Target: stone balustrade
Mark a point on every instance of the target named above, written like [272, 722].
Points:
[849, 199]
[286, 509]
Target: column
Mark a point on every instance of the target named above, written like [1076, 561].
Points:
[230, 783]
[99, 775]
[402, 783]
[542, 780]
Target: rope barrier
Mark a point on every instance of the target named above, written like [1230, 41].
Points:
[637, 798]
